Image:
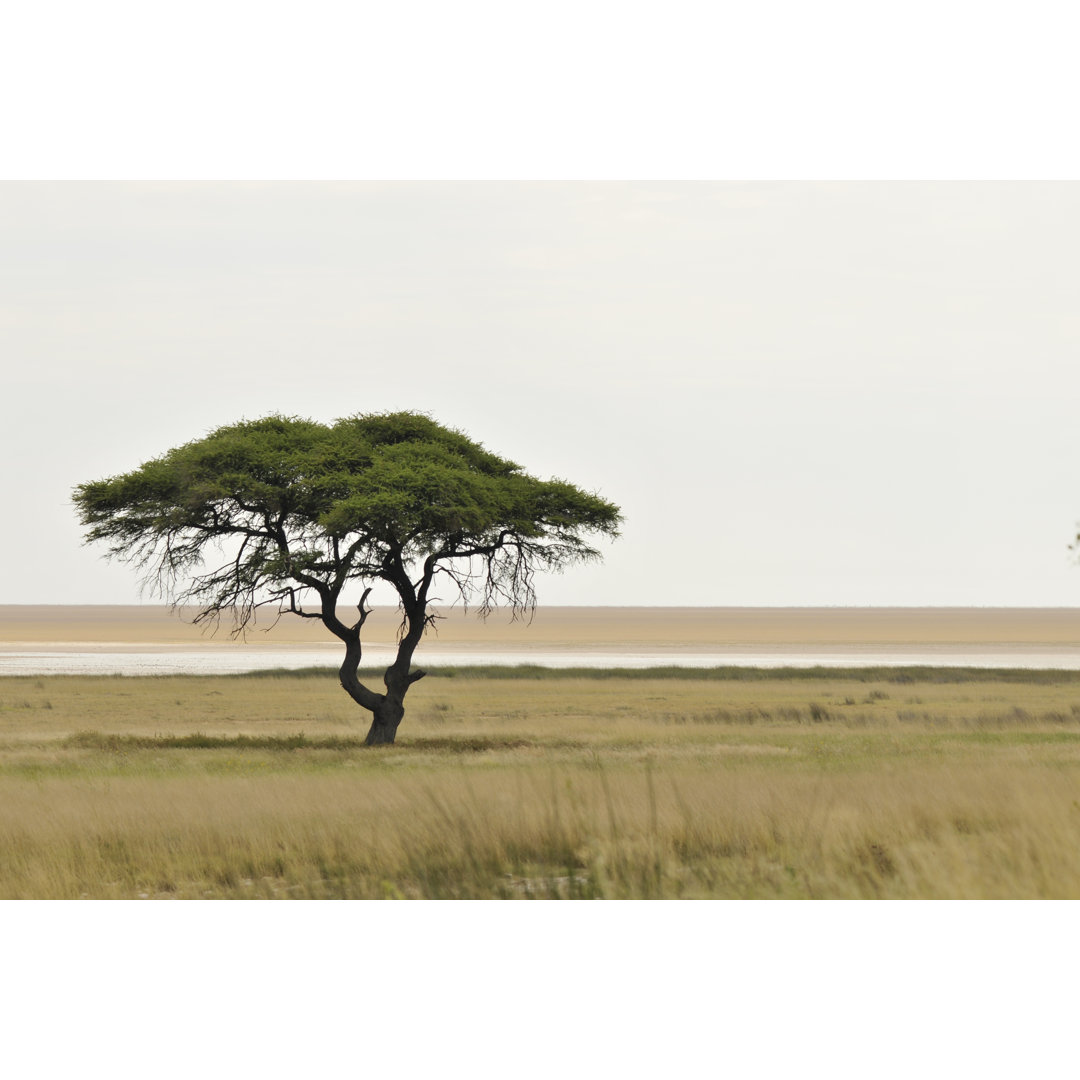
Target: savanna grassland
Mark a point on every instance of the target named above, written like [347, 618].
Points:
[735, 783]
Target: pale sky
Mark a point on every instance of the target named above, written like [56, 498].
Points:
[801, 393]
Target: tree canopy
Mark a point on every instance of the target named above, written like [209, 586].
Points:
[292, 512]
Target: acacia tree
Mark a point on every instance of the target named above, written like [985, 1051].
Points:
[294, 512]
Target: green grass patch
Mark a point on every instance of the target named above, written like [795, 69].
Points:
[96, 740]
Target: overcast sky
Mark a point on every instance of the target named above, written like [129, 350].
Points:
[800, 393]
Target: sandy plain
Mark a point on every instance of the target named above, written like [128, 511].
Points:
[602, 629]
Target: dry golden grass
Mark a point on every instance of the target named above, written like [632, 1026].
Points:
[570, 786]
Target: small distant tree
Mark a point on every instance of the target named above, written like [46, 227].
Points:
[294, 512]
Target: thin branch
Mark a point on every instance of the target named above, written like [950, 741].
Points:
[364, 613]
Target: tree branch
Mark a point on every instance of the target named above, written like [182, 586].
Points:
[363, 613]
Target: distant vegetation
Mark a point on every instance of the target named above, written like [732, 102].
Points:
[883, 673]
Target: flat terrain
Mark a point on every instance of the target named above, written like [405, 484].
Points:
[600, 628]
[737, 784]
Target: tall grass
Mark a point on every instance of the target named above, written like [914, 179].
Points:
[527, 788]
[577, 832]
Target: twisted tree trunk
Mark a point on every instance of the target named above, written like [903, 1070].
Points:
[386, 709]
[384, 723]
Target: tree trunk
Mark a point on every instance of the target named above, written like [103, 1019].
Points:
[384, 723]
[386, 709]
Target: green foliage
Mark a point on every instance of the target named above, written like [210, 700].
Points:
[307, 506]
